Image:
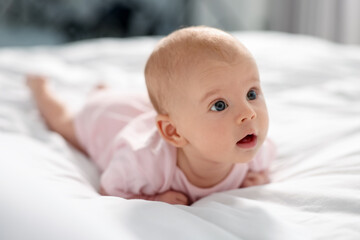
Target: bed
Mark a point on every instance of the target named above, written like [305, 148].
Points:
[49, 190]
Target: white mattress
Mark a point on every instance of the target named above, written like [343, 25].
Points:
[49, 190]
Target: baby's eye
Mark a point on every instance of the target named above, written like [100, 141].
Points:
[219, 106]
[251, 95]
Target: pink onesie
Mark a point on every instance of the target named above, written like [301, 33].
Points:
[120, 136]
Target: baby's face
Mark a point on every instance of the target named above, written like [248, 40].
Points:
[222, 112]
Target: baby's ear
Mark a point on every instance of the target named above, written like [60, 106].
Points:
[168, 131]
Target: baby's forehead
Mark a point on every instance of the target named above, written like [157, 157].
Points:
[194, 54]
[205, 58]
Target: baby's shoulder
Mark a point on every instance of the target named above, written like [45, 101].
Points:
[141, 143]
[144, 157]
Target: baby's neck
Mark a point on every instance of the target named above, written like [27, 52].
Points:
[200, 172]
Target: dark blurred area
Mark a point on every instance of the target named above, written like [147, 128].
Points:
[48, 22]
[82, 19]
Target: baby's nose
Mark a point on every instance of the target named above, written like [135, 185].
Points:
[247, 113]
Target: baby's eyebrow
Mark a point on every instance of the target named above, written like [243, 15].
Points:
[209, 93]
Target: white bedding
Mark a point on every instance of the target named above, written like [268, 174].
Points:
[48, 190]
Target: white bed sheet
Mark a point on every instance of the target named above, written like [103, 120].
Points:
[48, 190]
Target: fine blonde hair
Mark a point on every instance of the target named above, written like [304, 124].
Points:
[168, 63]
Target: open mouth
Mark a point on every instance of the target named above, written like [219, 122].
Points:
[248, 141]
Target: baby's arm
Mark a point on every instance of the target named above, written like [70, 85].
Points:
[171, 197]
[258, 173]
[255, 178]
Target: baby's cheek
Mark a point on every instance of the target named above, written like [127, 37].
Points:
[263, 120]
[216, 141]
[210, 138]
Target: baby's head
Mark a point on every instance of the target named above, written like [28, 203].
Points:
[205, 86]
[177, 55]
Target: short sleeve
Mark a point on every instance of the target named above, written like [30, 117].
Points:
[142, 163]
[125, 176]
[264, 157]
[105, 114]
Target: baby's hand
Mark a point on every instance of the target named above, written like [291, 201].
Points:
[255, 178]
[172, 197]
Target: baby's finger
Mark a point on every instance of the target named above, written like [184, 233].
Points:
[264, 177]
[182, 199]
[247, 183]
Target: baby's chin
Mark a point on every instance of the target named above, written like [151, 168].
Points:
[247, 155]
[244, 159]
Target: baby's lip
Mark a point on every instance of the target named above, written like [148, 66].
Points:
[249, 141]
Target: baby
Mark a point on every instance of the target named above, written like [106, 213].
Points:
[205, 131]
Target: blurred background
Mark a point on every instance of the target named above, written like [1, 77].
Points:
[49, 22]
